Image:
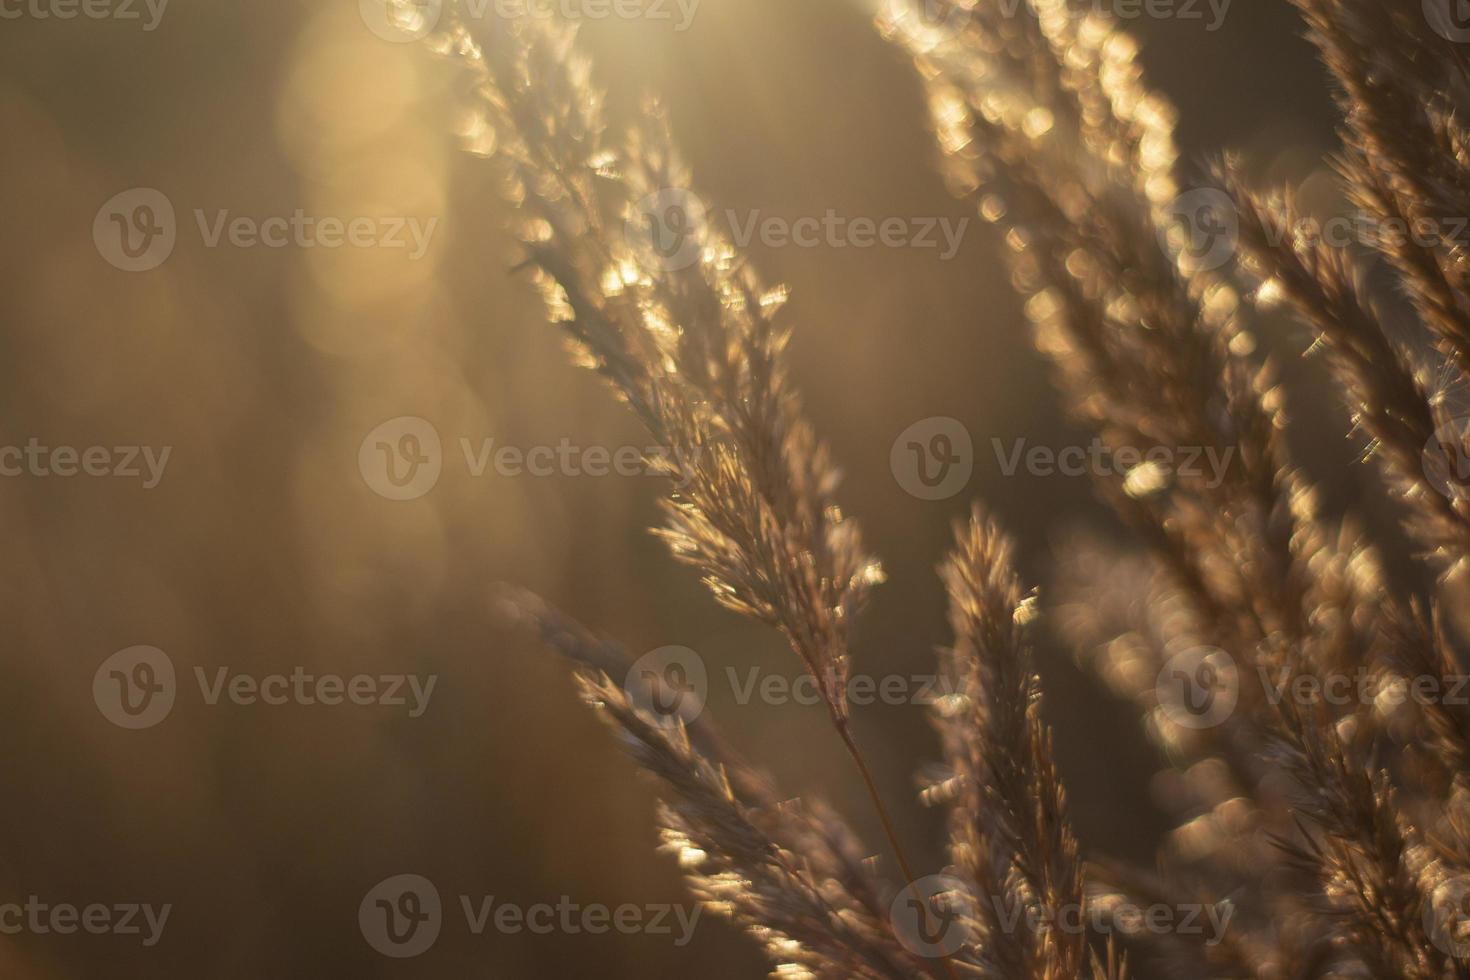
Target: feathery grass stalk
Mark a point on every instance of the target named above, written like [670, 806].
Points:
[693, 351]
[1010, 831]
[1393, 81]
[1387, 396]
[792, 875]
[1074, 157]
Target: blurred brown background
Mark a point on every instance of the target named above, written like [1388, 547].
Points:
[263, 548]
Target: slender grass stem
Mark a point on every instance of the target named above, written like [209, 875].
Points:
[845, 731]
